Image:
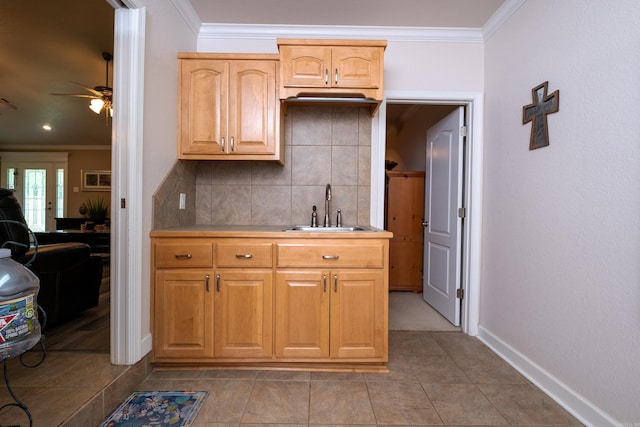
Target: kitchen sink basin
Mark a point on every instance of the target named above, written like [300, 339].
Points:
[308, 228]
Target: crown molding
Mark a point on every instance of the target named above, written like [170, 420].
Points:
[501, 16]
[401, 34]
[189, 15]
[270, 32]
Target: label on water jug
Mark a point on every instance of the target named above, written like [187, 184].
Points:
[17, 318]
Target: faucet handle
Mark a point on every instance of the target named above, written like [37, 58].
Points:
[339, 218]
[314, 217]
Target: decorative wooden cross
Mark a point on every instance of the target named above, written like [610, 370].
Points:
[536, 113]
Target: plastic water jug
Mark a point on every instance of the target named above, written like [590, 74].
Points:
[19, 325]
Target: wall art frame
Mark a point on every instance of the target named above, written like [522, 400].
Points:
[95, 180]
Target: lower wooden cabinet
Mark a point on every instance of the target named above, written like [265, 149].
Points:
[266, 301]
[243, 313]
[335, 314]
[302, 314]
[184, 326]
[358, 314]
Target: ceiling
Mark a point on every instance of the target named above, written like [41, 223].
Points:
[400, 13]
[44, 46]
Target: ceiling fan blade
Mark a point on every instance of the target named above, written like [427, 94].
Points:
[88, 89]
[77, 95]
[5, 103]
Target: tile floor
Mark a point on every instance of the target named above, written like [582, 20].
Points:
[435, 378]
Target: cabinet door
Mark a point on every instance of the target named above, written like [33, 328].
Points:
[358, 314]
[302, 314]
[203, 106]
[243, 313]
[252, 107]
[183, 316]
[356, 67]
[305, 66]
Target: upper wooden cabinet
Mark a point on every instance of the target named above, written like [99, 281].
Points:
[346, 68]
[228, 107]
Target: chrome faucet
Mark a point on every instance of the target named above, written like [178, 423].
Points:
[327, 206]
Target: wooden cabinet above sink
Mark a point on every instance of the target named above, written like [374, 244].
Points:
[228, 107]
[344, 70]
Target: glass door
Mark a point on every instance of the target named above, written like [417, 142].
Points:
[39, 188]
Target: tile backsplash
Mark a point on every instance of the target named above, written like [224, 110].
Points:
[323, 145]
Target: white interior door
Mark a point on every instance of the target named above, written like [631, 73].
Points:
[442, 226]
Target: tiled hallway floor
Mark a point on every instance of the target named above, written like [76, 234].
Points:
[435, 378]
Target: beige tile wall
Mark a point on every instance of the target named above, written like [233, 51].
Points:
[323, 145]
[181, 179]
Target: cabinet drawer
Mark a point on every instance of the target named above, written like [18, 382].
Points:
[184, 254]
[329, 255]
[243, 254]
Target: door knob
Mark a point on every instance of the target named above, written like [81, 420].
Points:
[425, 223]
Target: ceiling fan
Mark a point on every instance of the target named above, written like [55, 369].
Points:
[5, 103]
[101, 96]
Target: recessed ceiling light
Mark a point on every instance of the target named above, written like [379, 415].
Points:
[46, 127]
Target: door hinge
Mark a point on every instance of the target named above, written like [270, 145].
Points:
[460, 293]
[462, 212]
[463, 131]
[123, 203]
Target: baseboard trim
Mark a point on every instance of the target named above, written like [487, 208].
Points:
[569, 399]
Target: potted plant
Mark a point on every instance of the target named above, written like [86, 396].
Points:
[97, 210]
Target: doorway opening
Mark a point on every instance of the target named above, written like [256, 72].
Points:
[414, 114]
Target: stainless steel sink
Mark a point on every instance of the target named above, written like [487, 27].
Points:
[308, 228]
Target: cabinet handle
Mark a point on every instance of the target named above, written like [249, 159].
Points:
[222, 145]
[330, 256]
[244, 256]
[335, 283]
[326, 76]
[324, 283]
[233, 144]
[206, 282]
[336, 76]
[183, 256]
[218, 282]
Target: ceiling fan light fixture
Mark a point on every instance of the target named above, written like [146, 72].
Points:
[96, 105]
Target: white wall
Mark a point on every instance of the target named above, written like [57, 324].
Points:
[561, 232]
[431, 66]
[408, 65]
[166, 34]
